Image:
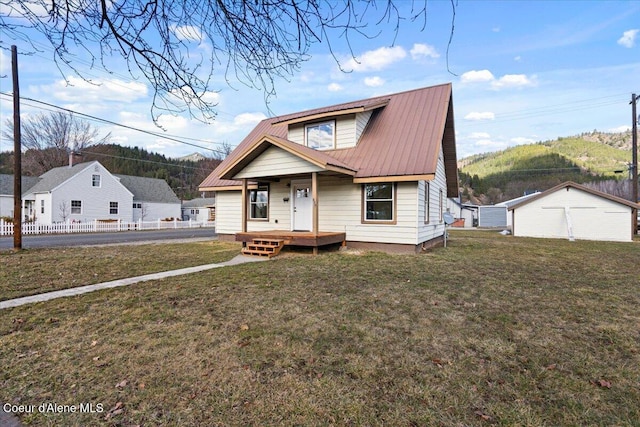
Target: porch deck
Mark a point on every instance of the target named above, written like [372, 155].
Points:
[295, 238]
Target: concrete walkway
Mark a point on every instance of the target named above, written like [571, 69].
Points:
[240, 259]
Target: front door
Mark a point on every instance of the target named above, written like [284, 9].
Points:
[302, 205]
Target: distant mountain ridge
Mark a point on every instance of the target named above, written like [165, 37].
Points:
[502, 175]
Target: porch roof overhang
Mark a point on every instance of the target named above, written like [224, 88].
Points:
[316, 158]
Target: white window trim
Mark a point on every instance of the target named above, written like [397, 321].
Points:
[310, 125]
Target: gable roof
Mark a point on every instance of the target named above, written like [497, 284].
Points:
[319, 158]
[6, 184]
[570, 184]
[152, 190]
[56, 176]
[200, 202]
[401, 142]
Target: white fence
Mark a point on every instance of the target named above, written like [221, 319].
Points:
[6, 228]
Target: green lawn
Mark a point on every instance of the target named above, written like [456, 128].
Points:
[493, 330]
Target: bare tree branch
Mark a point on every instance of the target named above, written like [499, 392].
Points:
[181, 46]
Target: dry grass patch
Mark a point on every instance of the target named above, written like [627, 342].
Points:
[34, 271]
[490, 331]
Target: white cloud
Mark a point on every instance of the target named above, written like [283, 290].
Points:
[78, 90]
[376, 60]
[479, 135]
[476, 116]
[628, 38]
[476, 76]
[421, 50]
[246, 119]
[496, 29]
[506, 81]
[172, 123]
[623, 128]
[334, 87]
[489, 143]
[517, 58]
[513, 80]
[187, 33]
[522, 140]
[373, 81]
[5, 62]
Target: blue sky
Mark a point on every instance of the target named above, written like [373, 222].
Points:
[522, 72]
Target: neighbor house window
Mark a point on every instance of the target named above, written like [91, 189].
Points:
[95, 180]
[76, 206]
[259, 202]
[379, 202]
[113, 208]
[427, 202]
[137, 206]
[321, 136]
[41, 206]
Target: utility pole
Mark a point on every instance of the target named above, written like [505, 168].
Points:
[634, 158]
[17, 155]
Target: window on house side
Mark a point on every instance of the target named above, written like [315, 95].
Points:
[259, 203]
[427, 202]
[321, 136]
[113, 208]
[379, 202]
[76, 207]
[41, 206]
[95, 180]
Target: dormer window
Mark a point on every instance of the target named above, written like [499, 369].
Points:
[321, 136]
[95, 180]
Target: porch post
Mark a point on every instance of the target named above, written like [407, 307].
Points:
[314, 195]
[244, 205]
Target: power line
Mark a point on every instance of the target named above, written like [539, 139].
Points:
[137, 160]
[168, 137]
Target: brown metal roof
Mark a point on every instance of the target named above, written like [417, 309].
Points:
[401, 142]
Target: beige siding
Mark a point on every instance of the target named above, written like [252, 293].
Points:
[348, 130]
[296, 133]
[362, 119]
[592, 217]
[279, 210]
[228, 212]
[276, 162]
[435, 227]
[340, 208]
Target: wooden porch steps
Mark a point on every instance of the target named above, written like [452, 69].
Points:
[263, 247]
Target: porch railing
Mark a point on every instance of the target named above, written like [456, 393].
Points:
[97, 226]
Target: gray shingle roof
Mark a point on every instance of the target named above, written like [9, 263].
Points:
[199, 202]
[56, 176]
[148, 189]
[6, 184]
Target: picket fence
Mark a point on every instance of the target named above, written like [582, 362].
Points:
[97, 226]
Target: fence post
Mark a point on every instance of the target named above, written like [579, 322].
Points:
[175, 223]
[1, 227]
[95, 225]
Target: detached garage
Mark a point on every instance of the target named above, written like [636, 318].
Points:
[572, 211]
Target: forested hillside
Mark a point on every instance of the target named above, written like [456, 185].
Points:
[183, 176]
[503, 175]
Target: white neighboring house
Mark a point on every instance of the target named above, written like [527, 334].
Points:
[153, 199]
[373, 173]
[572, 211]
[88, 191]
[6, 192]
[200, 209]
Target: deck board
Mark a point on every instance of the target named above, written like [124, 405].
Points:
[295, 238]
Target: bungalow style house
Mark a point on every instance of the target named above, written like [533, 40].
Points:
[88, 191]
[373, 173]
